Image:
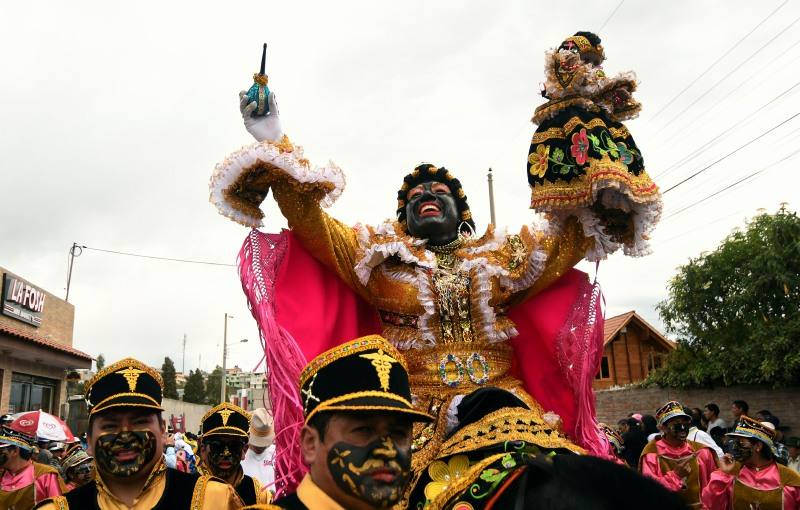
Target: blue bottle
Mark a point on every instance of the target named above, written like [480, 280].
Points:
[259, 91]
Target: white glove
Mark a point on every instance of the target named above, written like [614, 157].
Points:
[266, 128]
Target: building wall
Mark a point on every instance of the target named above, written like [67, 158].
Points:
[193, 412]
[612, 405]
[629, 357]
[9, 365]
[58, 317]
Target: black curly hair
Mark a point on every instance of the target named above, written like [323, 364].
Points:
[426, 173]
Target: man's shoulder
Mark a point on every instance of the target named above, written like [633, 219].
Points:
[43, 469]
[58, 503]
[788, 476]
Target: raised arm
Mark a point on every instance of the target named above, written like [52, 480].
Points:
[242, 181]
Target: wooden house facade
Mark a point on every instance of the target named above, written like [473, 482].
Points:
[632, 348]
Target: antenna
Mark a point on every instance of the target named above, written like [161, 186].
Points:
[263, 58]
[491, 196]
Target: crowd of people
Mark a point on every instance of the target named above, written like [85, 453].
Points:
[693, 452]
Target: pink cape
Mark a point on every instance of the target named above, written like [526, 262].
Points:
[296, 300]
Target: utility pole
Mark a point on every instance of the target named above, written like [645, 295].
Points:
[74, 251]
[491, 197]
[224, 356]
[183, 360]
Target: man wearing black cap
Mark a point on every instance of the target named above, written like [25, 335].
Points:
[126, 436]
[357, 435]
[223, 442]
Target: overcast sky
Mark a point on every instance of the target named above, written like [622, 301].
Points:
[114, 114]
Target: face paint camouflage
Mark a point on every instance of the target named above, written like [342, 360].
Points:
[224, 457]
[741, 451]
[124, 454]
[376, 473]
[433, 214]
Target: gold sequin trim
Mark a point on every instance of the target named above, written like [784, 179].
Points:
[331, 403]
[579, 191]
[359, 345]
[120, 365]
[99, 406]
[552, 107]
[507, 424]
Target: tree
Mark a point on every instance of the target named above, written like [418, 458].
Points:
[735, 310]
[100, 362]
[214, 386]
[170, 383]
[194, 391]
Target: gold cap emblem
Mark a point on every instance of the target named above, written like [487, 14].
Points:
[225, 413]
[383, 366]
[132, 376]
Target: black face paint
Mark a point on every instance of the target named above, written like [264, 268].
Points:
[3, 456]
[678, 428]
[376, 473]
[140, 444]
[224, 457]
[441, 228]
[740, 451]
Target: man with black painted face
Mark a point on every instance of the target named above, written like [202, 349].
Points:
[678, 464]
[223, 442]
[357, 434]
[126, 437]
[748, 475]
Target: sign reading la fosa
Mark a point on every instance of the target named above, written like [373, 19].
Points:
[22, 301]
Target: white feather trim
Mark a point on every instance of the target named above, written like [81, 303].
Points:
[232, 167]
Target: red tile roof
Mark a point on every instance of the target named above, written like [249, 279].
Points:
[616, 323]
[43, 341]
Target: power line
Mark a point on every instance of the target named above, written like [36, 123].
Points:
[743, 179]
[719, 59]
[742, 83]
[762, 135]
[139, 255]
[613, 13]
[701, 227]
[718, 137]
[735, 69]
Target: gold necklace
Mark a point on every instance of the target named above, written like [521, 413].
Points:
[447, 248]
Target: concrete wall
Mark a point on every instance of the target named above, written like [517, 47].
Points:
[58, 317]
[612, 405]
[193, 412]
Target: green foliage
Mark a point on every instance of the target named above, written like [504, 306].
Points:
[736, 310]
[170, 382]
[194, 391]
[100, 362]
[214, 386]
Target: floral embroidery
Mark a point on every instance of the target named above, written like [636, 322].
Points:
[624, 154]
[442, 475]
[580, 146]
[539, 160]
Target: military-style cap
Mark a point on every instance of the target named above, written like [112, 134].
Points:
[670, 410]
[9, 437]
[367, 374]
[225, 419]
[126, 383]
[76, 457]
[753, 429]
[613, 437]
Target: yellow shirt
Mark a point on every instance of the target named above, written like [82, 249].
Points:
[214, 495]
[309, 494]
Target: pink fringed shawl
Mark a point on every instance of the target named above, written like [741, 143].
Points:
[302, 309]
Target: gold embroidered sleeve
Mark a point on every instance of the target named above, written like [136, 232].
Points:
[557, 254]
[330, 241]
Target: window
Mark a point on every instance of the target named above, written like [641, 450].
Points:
[605, 371]
[29, 393]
